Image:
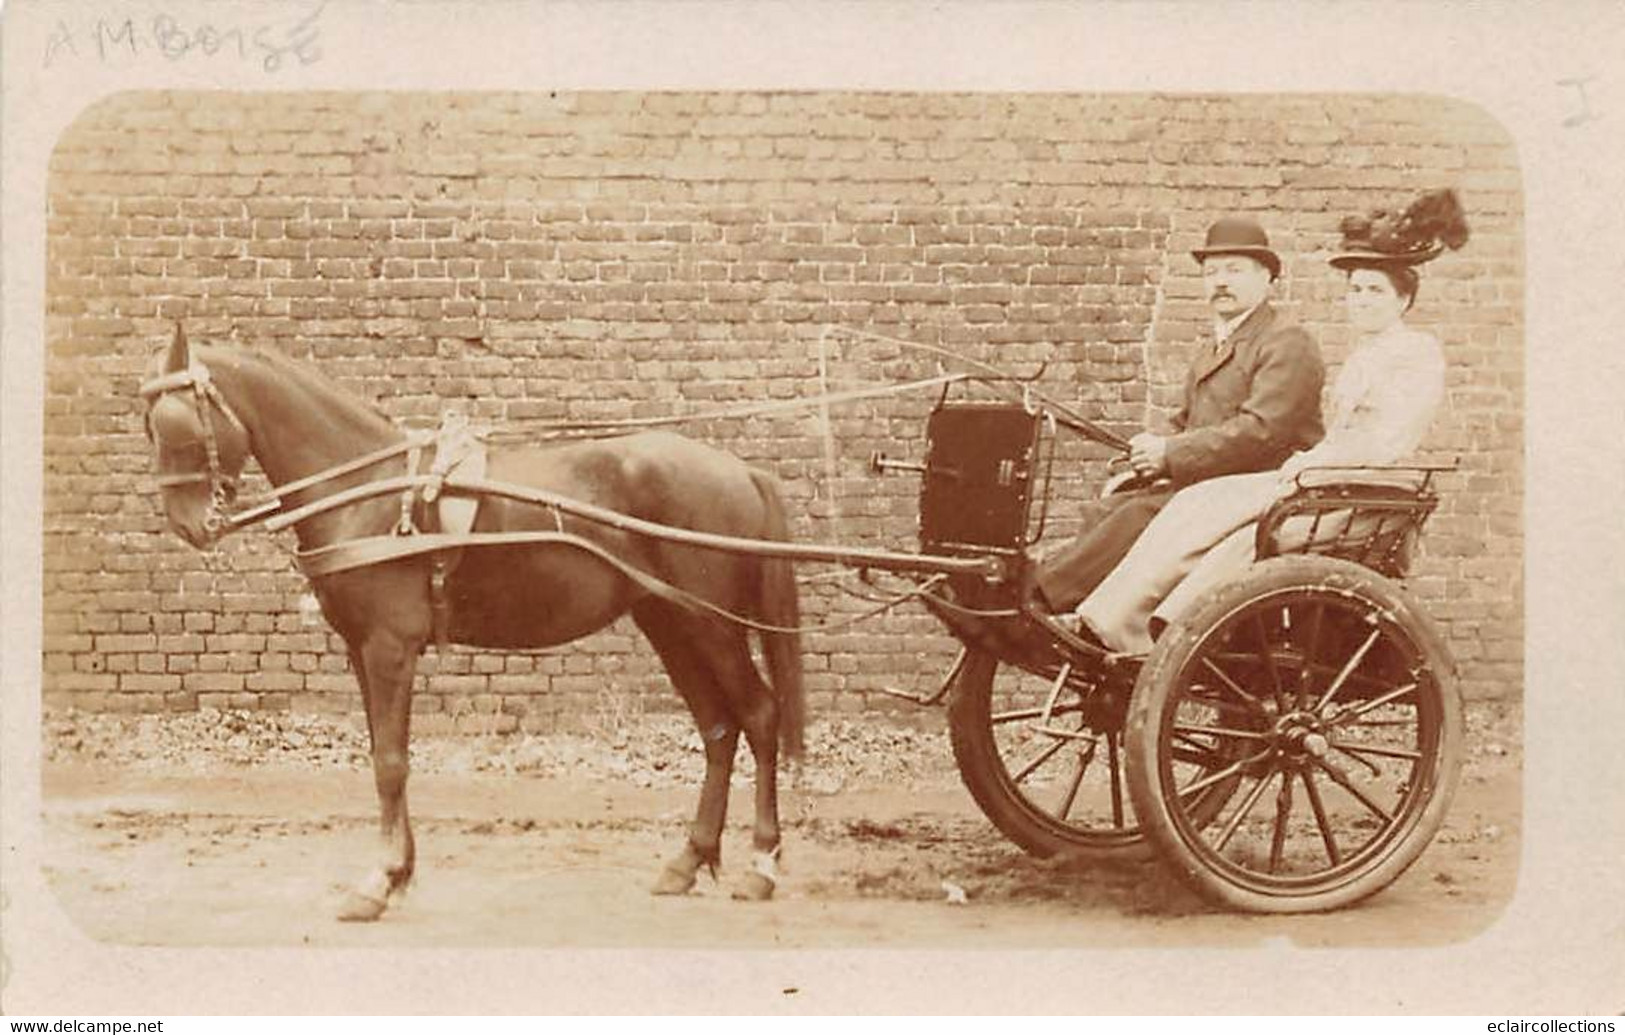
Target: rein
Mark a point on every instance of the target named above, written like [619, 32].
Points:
[271, 507]
[1064, 415]
[273, 510]
[632, 425]
[988, 375]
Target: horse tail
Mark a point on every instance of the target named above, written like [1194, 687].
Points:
[780, 606]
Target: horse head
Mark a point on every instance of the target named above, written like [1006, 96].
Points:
[199, 444]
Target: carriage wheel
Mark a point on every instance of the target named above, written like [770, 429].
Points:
[1045, 766]
[1333, 700]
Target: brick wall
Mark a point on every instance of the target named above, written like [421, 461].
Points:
[606, 255]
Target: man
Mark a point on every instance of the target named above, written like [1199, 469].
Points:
[1252, 398]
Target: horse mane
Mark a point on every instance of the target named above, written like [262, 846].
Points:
[301, 374]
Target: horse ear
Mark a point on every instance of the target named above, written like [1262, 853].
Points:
[179, 355]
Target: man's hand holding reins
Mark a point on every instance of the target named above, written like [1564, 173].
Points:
[1148, 454]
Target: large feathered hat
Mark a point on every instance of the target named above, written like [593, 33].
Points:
[1432, 223]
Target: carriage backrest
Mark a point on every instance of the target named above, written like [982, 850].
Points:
[1372, 516]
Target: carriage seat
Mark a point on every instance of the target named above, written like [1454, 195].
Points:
[1369, 515]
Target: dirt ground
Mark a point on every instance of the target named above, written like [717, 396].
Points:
[236, 830]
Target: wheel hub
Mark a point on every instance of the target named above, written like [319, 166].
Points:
[1301, 735]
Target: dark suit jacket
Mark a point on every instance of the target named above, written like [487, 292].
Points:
[1250, 405]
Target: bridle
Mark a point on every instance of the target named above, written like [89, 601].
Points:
[220, 518]
[206, 398]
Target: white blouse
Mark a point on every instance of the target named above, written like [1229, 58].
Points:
[1382, 402]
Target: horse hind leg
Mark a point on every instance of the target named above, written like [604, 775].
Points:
[681, 649]
[704, 845]
[750, 699]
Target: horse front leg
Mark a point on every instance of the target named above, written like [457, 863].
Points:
[386, 665]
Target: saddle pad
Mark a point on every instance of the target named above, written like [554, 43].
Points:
[466, 456]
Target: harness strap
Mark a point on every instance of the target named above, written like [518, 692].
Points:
[406, 526]
[221, 487]
[163, 384]
[439, 607]
[163, 481]
[360, 553]
[225, 409]
[416, 439]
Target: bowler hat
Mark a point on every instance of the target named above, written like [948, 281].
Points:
[1238, 235]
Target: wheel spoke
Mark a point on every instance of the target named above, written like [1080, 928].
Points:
[1204, 758]
[1223, 705]
[1371, 767]
[1222, 731]
[1311, 642]
[1022, 714]
[1344, 782]
[1348, 667]
[1329, 669]
[1183, 747]
[1203, 745]
[1071, 796]
[1327, 837]
[1374, 723]
[1376, 702]
[1117, 779]
[1283, 811]
[1191, 737]
[1043, 756]
[1231, 827]
[1268, 657]
[1362, 749]
[1231, 685]
[1214, 777]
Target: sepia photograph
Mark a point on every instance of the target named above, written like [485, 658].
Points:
[778, 521]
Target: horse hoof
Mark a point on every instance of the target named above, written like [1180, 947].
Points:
[754, 887]
[360, 908]
[674, 882]
[367, 900]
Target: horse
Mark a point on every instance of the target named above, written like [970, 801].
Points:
[209, 408]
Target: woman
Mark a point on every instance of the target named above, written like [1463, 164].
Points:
[1381, 405]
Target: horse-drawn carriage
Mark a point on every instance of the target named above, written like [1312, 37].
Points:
[1314, 674]
[1291, 742]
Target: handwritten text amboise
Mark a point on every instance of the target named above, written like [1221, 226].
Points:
[273, 44]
